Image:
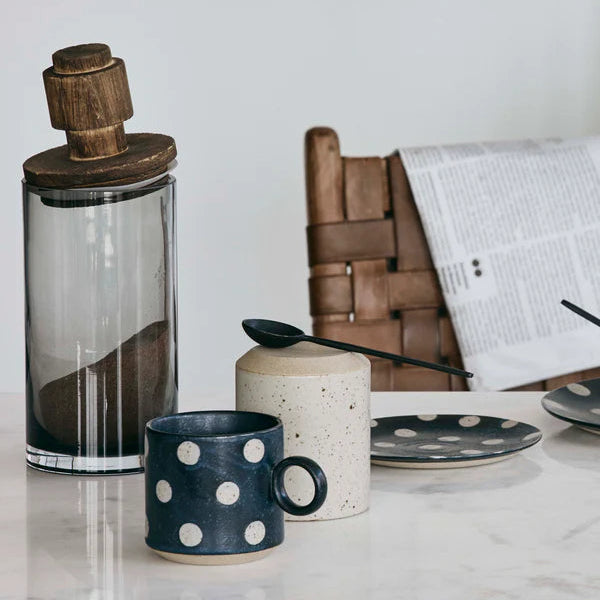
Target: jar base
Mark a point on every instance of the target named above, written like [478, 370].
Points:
[83, 465]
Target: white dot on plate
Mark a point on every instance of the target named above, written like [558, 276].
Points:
[470, 452]
[405, 433]
[578, 389]
[255, 532]
[530, 436]
[509, 424]
[384, 444]
[430, 447]
[449, 438]
[228, 493]
[469, 421]
[190, 534]
[427, 417]
[493, 442]
[188, 453]
[163, 490]
[254, 450]
[374, 423]
[596, 411]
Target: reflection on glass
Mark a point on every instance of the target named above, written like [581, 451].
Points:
[75, 533]
[85, 541]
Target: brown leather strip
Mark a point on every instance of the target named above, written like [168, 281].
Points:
[448, 345]
[556, 382]
[328, 270]
[333, 318]
[330, 295]
[381, 375]
[365, 188]
[458, 384]
[414, 289]
[538, 386]
[419, 379]
[591, 374]
[365, 193]
[420, 337]
[387, 201]
[383, 335]
[413, 251]
[350, 240]
[370, 286]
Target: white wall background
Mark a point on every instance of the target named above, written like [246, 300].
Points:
[237, 83]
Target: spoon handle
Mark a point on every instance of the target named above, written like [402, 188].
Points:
[387, 355]
[582, 313]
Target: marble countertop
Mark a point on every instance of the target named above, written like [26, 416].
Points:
[528, 527]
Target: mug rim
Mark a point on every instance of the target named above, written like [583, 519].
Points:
[153, 423]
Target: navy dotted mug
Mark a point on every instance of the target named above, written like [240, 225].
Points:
[215, 490]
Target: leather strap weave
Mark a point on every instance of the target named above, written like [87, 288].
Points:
[372, 281]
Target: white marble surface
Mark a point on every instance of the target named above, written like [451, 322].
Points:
[528, 527]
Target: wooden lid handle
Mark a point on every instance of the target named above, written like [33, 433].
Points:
[88, 97]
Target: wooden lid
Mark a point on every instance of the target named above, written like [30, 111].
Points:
[88, 97]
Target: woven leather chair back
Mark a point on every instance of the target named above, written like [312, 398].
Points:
[372, 281]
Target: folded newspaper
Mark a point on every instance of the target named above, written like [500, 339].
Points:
[513, 228]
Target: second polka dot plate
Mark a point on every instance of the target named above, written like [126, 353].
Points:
[577, 403]
[446, 441]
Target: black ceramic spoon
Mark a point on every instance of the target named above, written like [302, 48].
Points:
[582, 313]
[274, 334]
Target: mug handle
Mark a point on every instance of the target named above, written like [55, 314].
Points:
[278, 486]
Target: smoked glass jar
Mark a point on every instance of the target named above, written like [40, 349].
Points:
[100, 274]
[100, 317]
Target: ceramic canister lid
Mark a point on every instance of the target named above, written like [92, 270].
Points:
[302, 359]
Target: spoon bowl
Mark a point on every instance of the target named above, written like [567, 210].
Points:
[272, 334]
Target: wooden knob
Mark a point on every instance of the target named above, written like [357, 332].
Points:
[81, 59]
[88, 97]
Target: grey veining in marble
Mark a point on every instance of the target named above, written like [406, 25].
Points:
[527, 527]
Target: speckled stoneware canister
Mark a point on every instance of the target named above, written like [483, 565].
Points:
[215, 489]
[322, 395]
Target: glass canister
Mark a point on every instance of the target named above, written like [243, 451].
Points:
[100, 274]
[100, 288]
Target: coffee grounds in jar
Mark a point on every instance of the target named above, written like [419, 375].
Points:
[101, 409]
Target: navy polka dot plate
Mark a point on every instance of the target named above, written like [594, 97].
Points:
[577, 403]
[445, 441]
